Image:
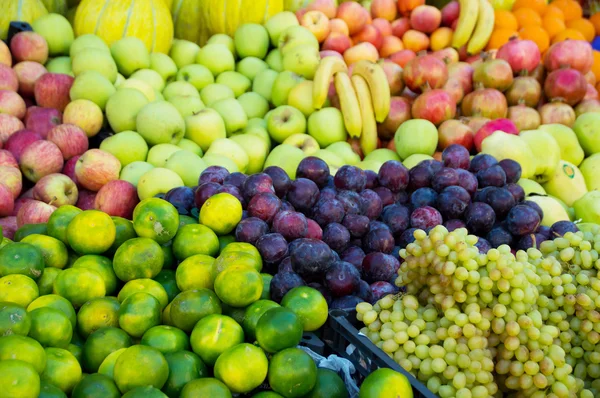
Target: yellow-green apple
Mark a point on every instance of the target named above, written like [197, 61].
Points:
[237, 82]
[8, 126]
[57, 31]
[407, 142]
[93, 86]
[339, 25]
[285, 121]
[220, 160]
[256, 149]
[11, 177]
[382, 155]
[151, 77]
[27, 74]
[263, 83]
[120, 80]
[187, 105]
[570, 150]
[216, 57]
[260, 131]
[42, 120]
[127, 146]
[215, 92]
[86, 199]
[254, 105]
[60, 65]
[305, 142]
[327, 126]
[7, 202]
[164, 65]
[361, 51]
[51, 90]
[141, 86]
[160, 123]
[157, 180]
[29, 46]
[187, 165]
[17, 143]
[97, 60]
[134, 171]
[415, 159]
[233, 114]
[283, 84]
[503, 146]
[178, 88]
[159, 154]
[295, 36]
[123, 107]
[39, 159]
[117, 198]
[56, 189]
[275, 60]
[333, 160]
[5, 57]
[300, 97]
[197, 75]
[287, 157]
[531, 187]
[11, 103]
[34, 212]
[95, 168]
[85, 114]
[8, 78]
[191, 146]
[546, 153]
[303, 60]
[251, 66]
[204, 127]
[69, 168]
[184, 52]
[229, 149]
[87, 41]
[590, 168]
[223, 39]
[251, 40]
[372, 165]
[70, 139]
[344, 150]
[318, 23]
[278, 23]
[7, 158]
[337, 42]
[587, 128]
[130, 54]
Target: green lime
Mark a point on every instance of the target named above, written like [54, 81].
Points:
[277, 329]
[24, 349]
[253, 313]
[124, 232]
[18, 289]
[96, 385]
[156, 219]
[21, 258]
[5, 242]
[48, 390]
[29, 229]
[19, 379]
[145, 285]
[139, 366]
[91, 232]
[100, 344]
[170, 261]
[213, 335]
[62, 369]
[98, 313]
[191, 306]
[58, 303]
[166, 339]
[79, 285]
[107, 367]
[239, 285]
[166, 316]
[328, 385]
[242, 368]
[168, 281]
[144, 392]
[50, 327]
[227, 259]
[266, 293]
[77, 352]
[186, 220]
[267, 394]
[237, 313]
[138, 258]
[205, 387]
[102, 265]
[224, 240]
[184, 366]
[138, 313]
[221, 213]
[59, 221]
[296, 380]
[14, 319]
[194, 239]
[72, 258]
[246, 248]
[195, 272]
[46, 281]
[385, 383]
[54, 251]
[309, 305]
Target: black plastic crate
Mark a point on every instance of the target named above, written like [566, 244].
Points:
[340, 331]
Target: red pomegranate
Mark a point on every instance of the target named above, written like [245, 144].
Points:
[567, 85]
[448, 55]
[490, 127]
[436, 106]
[590, 77]
[524, 90]
[524, 117]
[539, 73]
[557, 112]
[493, 73]
[393, 72]
[590, 93]
[464, 73]
[587, 106]
[399, 113]
[475, 122]
[455, 88]
[425, 71]
[486, 102]
[576, 54]
[522, 55]
[455, 132]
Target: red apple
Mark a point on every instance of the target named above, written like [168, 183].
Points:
[384, 26]
[42, 120]
[51, 90]
[385, 9]
[400, 26]
[9, 124]
[7, 201]
[5, 57]
[362, 51]
[369, 34]
[337, 42]
[86, 199]
[39, 159]
[391, 45]
[355, 16]
[339, 25]
[27, 73]
[330, 53]
[69, 168]
[317, 23]
[20, 140]
[34, 212]
[454, 132]
[70, 139]
[425, 18]
[7, 158]
[11, 103]
[117, 198]
[29, 46]
[8, 78]
[56, 189]
[95, 168]
[19, 202]
[327, 7]
[402, 57]
[9, 226]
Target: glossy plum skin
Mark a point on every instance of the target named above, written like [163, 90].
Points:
[290, 224]
[379, 267]
[281, 181]
[250, 230]
[282, 283]
[314, 169]
[342, 279]
[272, 247]
[351, 178]
[183, 198]
[264, 206]
[213, 174]
[303, 194]
[205, 191]
[257, 183]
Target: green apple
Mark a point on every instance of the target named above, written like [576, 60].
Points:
[157, 180]
[344, 150]
[158, 154]
[226, 40]
[287, 157]
[87, 41]
[305, 142]
[94, 59]
[415, 159]
[263, 83]
[531, 187]
[191, 146]
[295, 36]
[158, 96]
[123, 107]
[251, 40]
[232, 113]
[251, 66]
[160, 123]
[127, 146]
[197, 75]
[300, 97]
[587, 128]
[373, 165]
[256, 122]
[552, 208]
[327, 126]
[204, 127]
[93, 86]
[120, 80]
[278, 23]
[130, 54]
[285, 121]
[217, 58]
[134, 171]
[187, 165]
[416, 136]
[151, 77]
[235, 81]
[590, 168]
[260, 132]
[60, 65]
[382, 155]
[333, 161]
[275, 60]
[184, 52]
[220, 160]
[570, 150]
[587, 209]
[187, 105]
[216, 92]
[175, 89]
[141, 86]
[256, 149]
[545, 151]
[230, 149]
[164, 65]
[567, 183]
[282, 86]
[57, 31]
[254, 105]
[303, 60]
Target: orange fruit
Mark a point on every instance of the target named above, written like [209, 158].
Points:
[505, 19]
[568, 34]
[553, 25]
[537, 34]
[554, 11]
[537, 5]
[527, 16]
[584, 26]
[596, 65]
[500, 37]
[595, 20]
[571, 9]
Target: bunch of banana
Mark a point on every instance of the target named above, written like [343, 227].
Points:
[364, 97]
[475, 25]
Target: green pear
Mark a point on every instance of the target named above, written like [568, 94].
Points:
[151, 77]
[93, 86]
[587, 128]
[187, 105]
[283, 84]
[191, 146]
[95, 59]
[570, 150]
[197, 75]
[344, 150]
[287, 157]
[123, 107]
[87, 41]
[546, 152]
[220, 160]
[230, 149]
[164, 65]
[187, 165]
[130, 54]
[160, 123]
[382, 155]
[254, 105]
[159, 154]
[415, 159]
[237, 82]
[553, 210]
[232, 113]
[216, 92]
[567, 183]
[184, 52]
[60, 65]
[590, 168]
[251, 66]
[134, 171]
[531, 187]
[587, 208]
[275, 60]
[256, 148]
[333, 160]
[501, 145]
[178, 88]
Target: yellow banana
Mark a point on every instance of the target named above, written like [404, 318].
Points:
[348, 103]
[469, 10]
[328, 67]
[378, 86]
[484, 28]
[368, 138]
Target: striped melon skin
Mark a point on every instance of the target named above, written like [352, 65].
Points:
[19, 10]
[148, 20]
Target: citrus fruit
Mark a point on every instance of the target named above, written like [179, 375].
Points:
[166, 339]
[293, 380]
[124, 232]
[50, 327]
[21, 258]
[205, 387]
[571, 9]
[230, 258]
[100, 344]
[536, 34]
[14, 319]
[186, 220]
[267, 394]
[147, 286]
[54, 251]
[239, 285]
[500, 37]
[138, 258]
[595, 20]
[168, 281]
[195, 239]
[242, 368]
[62, 369]
[309, 305]
[277, 329]
[107, 367]
[568, 34]
[385, 383]
[102, 265]
[584, 26]
[195, 272]
[91, 232]
[537, 5]
[48, 390]
[184, 366]
[19, 379]
[77, 352]
[5, 241]
[166, 316]
[24, 349]
[145, 392]
[213, 335]
[221, 213]
[96, 386]
[328, 385]
[156, 219]
[553, 25]
[59, 221]
[72, 258]
[29, 229]
[527, 16]
[98, 313]
[58, 303]
[224, 240]
[138, 313]
[246, 248]
[253, 313]
[237, 313]
[45, 282]
[170, 261]
[18, 289]
[266, 294]
[79, 285]
[190, 306]
[140, 365]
